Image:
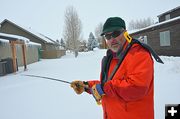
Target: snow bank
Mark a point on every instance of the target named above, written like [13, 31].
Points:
[34, 98]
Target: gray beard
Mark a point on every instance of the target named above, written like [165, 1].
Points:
[120, 48]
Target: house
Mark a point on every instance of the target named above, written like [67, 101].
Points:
[49, 48]
[169, 14]
[163, 37]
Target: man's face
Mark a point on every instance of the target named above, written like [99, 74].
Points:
[115, 40]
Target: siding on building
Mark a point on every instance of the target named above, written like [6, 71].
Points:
[173, 13]
[153, 34]
[32, 54]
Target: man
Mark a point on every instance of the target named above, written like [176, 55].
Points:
[126, 86]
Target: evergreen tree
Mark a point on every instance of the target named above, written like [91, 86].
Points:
[92, 42]
[62, 43]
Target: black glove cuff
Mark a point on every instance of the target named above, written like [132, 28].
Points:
[87, 85]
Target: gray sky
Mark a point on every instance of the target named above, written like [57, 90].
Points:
[47, 16]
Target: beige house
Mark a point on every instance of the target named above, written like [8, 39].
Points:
[49, 48]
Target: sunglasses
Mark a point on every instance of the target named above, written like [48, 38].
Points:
[113, 35]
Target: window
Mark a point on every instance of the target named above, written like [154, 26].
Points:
[145, 39]
[167, 17]
[165, 38]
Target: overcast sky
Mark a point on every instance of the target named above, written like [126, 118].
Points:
[47, 16]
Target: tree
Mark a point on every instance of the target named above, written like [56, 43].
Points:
[98, 31]
[62, 43]
[92, 42]
[72, 29]
[141, 23]
[100, 39]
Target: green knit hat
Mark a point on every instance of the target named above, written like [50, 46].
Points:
[112, 24]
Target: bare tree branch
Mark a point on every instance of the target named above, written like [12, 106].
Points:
[142, 23]
[72, 29]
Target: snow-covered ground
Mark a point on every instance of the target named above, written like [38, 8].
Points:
[24, 97]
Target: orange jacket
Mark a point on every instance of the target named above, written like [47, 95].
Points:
[130, 94]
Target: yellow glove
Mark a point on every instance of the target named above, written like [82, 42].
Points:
[79, 86]
[97, 93]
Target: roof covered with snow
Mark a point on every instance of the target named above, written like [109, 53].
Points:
[169, 11]
[6, 36]
[154, 25]
[32, 32]
[4, 41]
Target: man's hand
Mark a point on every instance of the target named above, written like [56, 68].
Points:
[97, 93]
[78, 86]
